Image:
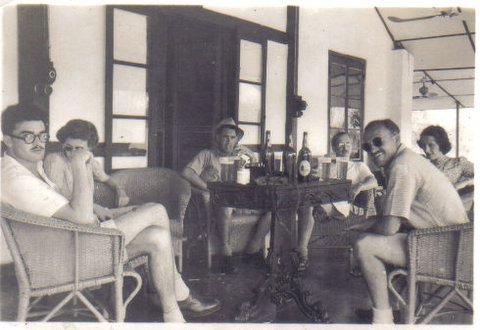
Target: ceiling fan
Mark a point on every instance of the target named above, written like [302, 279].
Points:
[424, 91]
[448, 13]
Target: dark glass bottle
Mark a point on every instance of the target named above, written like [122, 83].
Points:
[267, 154]
[290, 160]
[304, 165]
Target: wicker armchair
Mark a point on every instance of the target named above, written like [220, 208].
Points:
[243, 226]
[53, 256]
[442, 256]
[158, 185]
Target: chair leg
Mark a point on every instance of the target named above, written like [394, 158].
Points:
[209, 254]
[119, 310]
[412, 297]
[180, 256]
[22, 311]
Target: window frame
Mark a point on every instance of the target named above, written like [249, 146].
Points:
[349, 62]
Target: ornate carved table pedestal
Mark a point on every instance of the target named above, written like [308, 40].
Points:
[282, 282]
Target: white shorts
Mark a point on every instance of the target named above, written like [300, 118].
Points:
[108, 224]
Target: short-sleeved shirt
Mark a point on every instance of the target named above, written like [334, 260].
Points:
[25, 191]
[420, 193]
[456, 169]
[58, 169]
[207, 164]
[356, 172]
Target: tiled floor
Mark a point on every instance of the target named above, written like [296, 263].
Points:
[327, 279]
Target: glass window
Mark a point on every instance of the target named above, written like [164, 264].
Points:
[346, 99]
[130, 36]
[250, 61]
[250, 103]
[129, 90]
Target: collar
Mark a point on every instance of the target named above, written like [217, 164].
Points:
[440, 161]
[400, 150]
[38, 165]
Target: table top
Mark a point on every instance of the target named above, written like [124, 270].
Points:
[279, 196]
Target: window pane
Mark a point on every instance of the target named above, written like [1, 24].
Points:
[129, 36]
[276, 98]
[355, 79]
[423, 118]
[129, 162]
[252, 134]
[129, 90]
[356, 140]
[250, 61]
[467, 133]
[249, 103]
[337, 117]
[130, 131]
[354, 118]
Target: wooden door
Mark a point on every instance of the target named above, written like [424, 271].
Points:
[200, 87]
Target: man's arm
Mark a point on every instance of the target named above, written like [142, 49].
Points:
[80, 208]
[191, 176]
[382, 225]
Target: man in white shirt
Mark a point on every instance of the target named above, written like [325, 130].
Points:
[417, 195]
[26, 187]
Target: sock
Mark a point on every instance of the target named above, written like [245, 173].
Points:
[382, 316]
[174, 315]
[181, 289]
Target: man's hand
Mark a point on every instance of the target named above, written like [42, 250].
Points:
[354, 191]
[122, 198]
[103, 213]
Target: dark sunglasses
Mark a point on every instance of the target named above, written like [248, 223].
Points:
[28, 138]
[376, 141]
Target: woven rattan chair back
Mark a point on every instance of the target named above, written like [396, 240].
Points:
[53, 256]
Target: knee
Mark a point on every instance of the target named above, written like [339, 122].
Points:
[362, 246]
[156, 238]
[158, 213]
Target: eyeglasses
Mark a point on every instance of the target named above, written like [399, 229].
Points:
[344, 144]
[70, 148]
[28, 138]
[376, 141]
[420, 144]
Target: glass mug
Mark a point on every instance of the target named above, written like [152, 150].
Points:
[342, 167]
[228, 169]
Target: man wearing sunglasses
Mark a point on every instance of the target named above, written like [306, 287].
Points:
[417, 195]
[25, 186]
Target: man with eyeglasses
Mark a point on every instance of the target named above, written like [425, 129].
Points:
[25, 186]
[417, 195]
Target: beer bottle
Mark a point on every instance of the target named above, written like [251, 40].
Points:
[304, 161]
[290, 160]
[267, 154]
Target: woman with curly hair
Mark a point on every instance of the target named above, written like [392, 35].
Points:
[80, 134]
[435, 143]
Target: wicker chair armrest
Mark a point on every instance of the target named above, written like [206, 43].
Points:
[437, 230]
[13, 214]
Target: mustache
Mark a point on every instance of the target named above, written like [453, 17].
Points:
[37, 147]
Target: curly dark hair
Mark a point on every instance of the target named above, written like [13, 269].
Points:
[79, 129]
[440, 136]
[17, 113]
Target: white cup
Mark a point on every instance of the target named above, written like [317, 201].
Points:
[243, 176]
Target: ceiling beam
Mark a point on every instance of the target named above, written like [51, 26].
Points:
[443, 89]
[469, 35]
[445, 69]
[438, 36]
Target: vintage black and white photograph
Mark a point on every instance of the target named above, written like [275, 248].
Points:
[237, 165]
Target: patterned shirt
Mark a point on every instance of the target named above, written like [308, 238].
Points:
[418, 192]
[456, 169]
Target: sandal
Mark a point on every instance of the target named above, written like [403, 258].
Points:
[302, 264]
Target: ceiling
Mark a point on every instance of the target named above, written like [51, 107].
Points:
[443, 48]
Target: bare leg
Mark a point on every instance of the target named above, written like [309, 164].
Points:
[224, 224]
[156, 242]
[373, 252]
[261, 230]
[305, 229]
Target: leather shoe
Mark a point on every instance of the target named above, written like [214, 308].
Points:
[194, 307]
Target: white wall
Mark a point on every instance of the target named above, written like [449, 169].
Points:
[77, 39]
[357, 32]
[8, 81]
